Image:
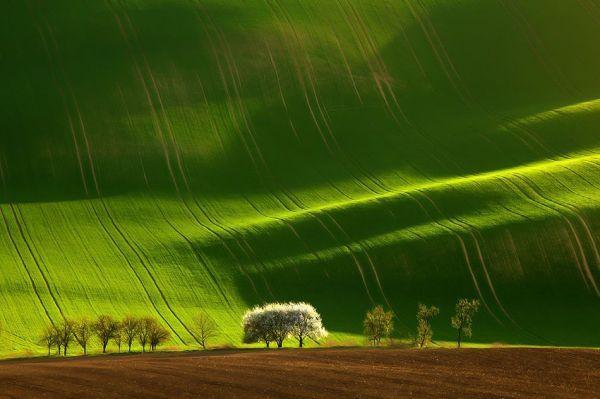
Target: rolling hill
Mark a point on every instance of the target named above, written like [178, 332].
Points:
[166, 156]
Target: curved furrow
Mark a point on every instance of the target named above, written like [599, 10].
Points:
[544, 203]
[179, 159]
[25, 267]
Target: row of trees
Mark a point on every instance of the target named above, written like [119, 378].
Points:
[270, 323]
[379, 323]
[275, 322]
[146, 330]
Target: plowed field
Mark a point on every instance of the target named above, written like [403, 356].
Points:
[327, 373]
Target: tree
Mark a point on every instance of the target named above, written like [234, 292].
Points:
[105, 328]
[424, 330]
[157, 334]
[257, 328]
[206, 328]
[378, 324]
[281, 321]
[49, 337]
[275, 322]
[269, 323]
[58, 342]
[145, 325]
[64, 334]
[463, 319]
[118, 337]
[129, 328]
[306, 323]
[82, 331]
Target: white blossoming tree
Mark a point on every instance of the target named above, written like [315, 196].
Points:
[281, 321]
[275, 322]
[257, 326]
[307, 323]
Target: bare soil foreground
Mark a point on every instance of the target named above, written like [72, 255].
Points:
[319, 373]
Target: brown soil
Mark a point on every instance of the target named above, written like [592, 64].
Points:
[312, 373]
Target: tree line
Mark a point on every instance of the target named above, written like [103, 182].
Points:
[267, 324]
[145, 330]
[379, 323]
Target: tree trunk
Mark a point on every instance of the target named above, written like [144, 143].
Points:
[268, 344]
[129, 345]
[300, 341]
[279, 344]
[459, 336]
[85, 350]
[104, 344]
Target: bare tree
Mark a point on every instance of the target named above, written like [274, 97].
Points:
[49, 338]
[58, 341]
[378, 324]
[157, 335]
[206, 328]
[463, 319]
[64, 333]
[129, 328]
[105, 328]
[145, 325]
[82, 331]
[424, 330]
[118, 337]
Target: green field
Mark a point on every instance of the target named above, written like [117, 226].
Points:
[166, 156]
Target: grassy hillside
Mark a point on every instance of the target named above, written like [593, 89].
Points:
[169, 155]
